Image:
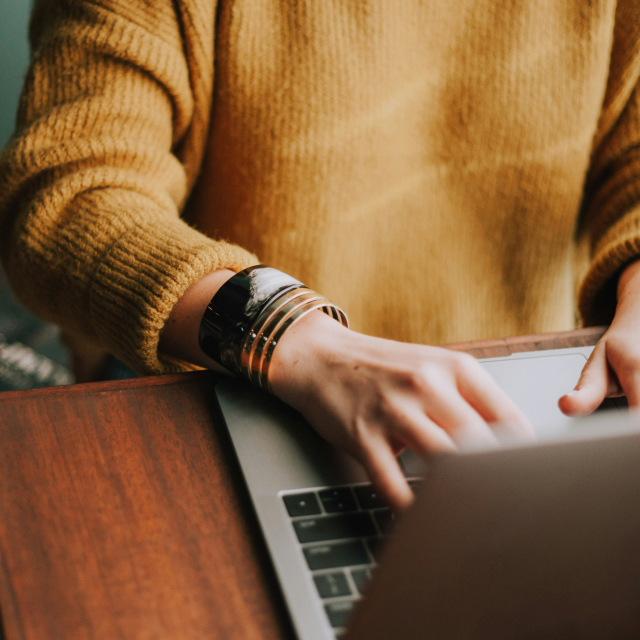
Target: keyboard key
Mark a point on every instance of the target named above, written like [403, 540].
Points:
[332, 585]
[332, 556]
[375, 546]
[384, 519]
[361, 577]
[338, 500]
[348, 525]
[368, 497]
[302, 504]
[339, 612]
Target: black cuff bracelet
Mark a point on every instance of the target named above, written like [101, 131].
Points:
[231, 312]
[246, 318]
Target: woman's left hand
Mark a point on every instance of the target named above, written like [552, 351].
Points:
[614, 366]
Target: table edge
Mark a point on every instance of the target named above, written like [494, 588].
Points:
[478, 348]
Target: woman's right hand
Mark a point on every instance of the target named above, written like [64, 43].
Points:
[374, 397]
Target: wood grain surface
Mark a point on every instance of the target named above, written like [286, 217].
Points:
[506, 346]
[120, 518]
[123, 514]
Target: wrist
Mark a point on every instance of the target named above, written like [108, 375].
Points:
[179, 337]
[305, 347]
[629, 282]
[249, 315]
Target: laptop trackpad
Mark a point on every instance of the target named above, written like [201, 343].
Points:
[536, 384]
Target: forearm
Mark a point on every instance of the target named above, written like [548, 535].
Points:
[179, 338]
[629, 283]
[109, 138]
[612, 369]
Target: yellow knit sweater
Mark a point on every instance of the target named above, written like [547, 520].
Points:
[441, 170]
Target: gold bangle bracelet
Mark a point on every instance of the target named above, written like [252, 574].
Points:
[260, 332]
[247, 316]
[255, 331]
[267, 330]
[276, 323]
[325, 305]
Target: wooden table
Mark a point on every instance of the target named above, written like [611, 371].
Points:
[122, 514]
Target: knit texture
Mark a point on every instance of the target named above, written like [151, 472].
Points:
[442, 171]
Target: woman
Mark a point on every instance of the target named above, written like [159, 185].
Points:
[442, 171]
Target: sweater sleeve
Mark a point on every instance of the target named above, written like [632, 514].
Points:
[610, 222]
[91, 185]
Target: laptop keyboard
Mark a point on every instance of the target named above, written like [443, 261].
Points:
[341, 531]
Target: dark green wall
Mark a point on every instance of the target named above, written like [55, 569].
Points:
[14, 55]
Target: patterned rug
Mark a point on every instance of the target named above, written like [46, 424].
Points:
[31, 354]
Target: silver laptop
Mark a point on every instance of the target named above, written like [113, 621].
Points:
[531, 542]
[322, 521]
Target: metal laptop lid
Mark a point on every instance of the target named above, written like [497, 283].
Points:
[534, 542]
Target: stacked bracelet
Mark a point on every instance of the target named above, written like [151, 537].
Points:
[246, 319]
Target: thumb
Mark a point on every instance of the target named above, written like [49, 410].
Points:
[593, 386]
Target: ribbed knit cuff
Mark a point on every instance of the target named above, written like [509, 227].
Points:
[616, 249]
[141, 279]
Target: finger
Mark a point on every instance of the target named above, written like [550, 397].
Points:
[384, 471]
[448, 409]
[629, 377]
[484, 394]
[419, 433]
[593, 385]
